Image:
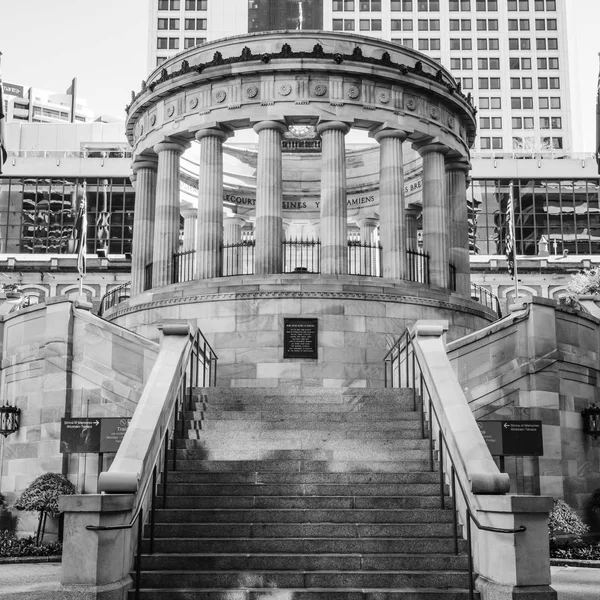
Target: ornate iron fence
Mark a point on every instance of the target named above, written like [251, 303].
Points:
[418, 266]
[364, 259]
[238, 258]
[301, 256]
[184, 266]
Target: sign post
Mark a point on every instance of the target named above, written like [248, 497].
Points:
[88, 435]
[512, 438]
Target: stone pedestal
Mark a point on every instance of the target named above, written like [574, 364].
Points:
[334, 225]
[144, 169]
[269, 193]
[391, 203]
[166, 220]
[210, 203]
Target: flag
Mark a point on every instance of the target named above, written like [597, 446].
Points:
[509, 240]
[80, 229]
[598, 124]
[3, 153]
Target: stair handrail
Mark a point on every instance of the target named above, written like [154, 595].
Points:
[408, 364]
[187, 374]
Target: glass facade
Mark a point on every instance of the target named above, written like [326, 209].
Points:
[269, 15]
[36, 214]
[566, 212]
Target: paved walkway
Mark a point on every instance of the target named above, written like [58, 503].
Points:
[40, 581]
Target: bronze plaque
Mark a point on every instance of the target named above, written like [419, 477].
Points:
[300, 338]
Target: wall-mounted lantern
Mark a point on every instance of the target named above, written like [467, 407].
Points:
[591, 420]
[9, 419]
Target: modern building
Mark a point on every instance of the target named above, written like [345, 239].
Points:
[46, 164]
[510, 55]
[33, 105]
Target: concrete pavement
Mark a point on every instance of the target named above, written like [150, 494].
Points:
[40, 581]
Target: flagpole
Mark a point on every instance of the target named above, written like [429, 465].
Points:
[514, 238]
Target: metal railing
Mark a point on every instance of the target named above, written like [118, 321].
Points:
[364, 259]
[402, 368]
[238, 258]
[486, 298]
[198, 363]
[418, 266]
[184, 266]
[114, 297]
[302, 256]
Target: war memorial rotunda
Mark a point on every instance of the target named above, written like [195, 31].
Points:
[239, 277]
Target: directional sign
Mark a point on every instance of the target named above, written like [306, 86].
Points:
[513, 438]
[92, 435]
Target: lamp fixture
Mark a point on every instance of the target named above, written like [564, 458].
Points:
[591, 420]
[9, 419]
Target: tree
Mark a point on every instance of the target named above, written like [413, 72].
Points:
[42, 495]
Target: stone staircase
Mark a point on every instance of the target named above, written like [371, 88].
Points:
[311, 495]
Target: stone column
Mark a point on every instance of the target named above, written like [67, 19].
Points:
[436, 238]
[456, 184]
[391, 203]
[210, 203]
[144, 170]
[370, 254]
[233, 258]
[269, 193]
[166, 220]
[334, 213]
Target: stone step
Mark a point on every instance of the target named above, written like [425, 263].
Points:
[373, 545]
[301, 530]
[331, 411]
[232, 425]
[273, 451]
[303, 594]
[301, 489]
[304, 502]
[304, 466]
[208, 434]
[331, 393]
[304, 579]
[257, 515]
[258, 477]
[304, 562]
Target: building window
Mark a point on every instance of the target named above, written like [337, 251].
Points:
[173, 43]
[484, 122]
[528, 122]
[370, 24]
[554, 102]
[396, 24]
[428, 5]
[485, 143]
[554, 83]
[163, 4]
[370, 5]
[482, 44]
[527, 83]
[173, 24]
[467, 64]
[556, 122]
[409, 43]
[467, 83]
[544, 122]
[516, 123]
[341, 5]
[553, 63]
[542, 83]
[163, 24]
[407, 24]
[160, 60]
[161, 43]
[496, 122]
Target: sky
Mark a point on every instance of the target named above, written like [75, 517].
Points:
[103, 43]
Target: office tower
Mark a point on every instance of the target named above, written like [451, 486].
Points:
[511, 55]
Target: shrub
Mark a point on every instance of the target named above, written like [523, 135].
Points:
[10, 545]
[563, 519]
[587, 281]
[42, 495]
[2, 500]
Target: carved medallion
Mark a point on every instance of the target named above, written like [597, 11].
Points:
[251, 91]
[353, 92]
[320, 89]
[193, 102]
[153, 120]
[285, 89]
[383, 96]
[170, 111]
[411, 104]
[434, 112]
[450, 122]
[220, 96]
